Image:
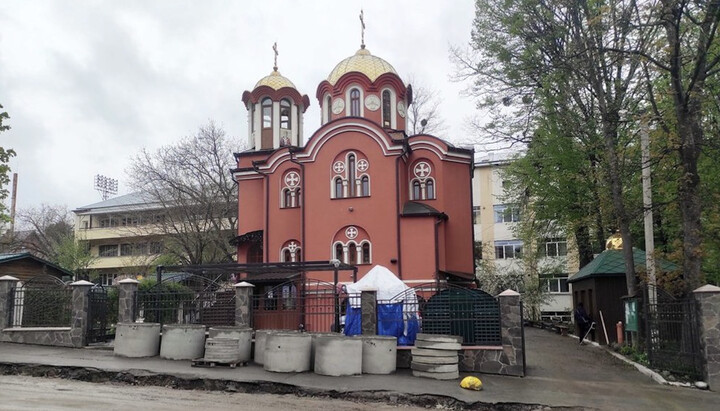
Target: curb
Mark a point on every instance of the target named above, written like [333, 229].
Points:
[641, 368]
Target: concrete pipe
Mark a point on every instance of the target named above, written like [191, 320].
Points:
[287, 352]
[183, 341]
[314, 336]
[379, 354]
[260, 337]
[137, 339]
[336, 356]
[242, 334]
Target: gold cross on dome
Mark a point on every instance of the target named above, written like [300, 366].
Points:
[276, 54]
[362, 30]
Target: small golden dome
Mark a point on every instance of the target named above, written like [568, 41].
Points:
[362, 62]
[614, 242]
[275, 81]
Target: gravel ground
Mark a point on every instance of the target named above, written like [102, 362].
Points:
[31, 393]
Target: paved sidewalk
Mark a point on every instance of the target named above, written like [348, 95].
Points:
[560, 373]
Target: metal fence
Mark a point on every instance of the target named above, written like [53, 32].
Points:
[447, 309]
[41, 302]
[296, 305]
[102, 313]
[429, 308]
[671, 334]
[193, 300]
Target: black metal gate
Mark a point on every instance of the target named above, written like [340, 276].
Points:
[101, 326]
[672, 336]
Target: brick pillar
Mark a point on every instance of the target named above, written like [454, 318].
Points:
[80, 309]
[127, 290]
[708, 299]
[368, 312]
[243, 304]
[6, 284]
[513, 338]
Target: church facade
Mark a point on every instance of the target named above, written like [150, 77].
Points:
[359, 190]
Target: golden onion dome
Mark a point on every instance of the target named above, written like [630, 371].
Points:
[614, 242]
[362, 62]
[275, 81]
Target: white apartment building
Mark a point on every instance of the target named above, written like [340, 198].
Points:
[122, 233]
[494, 223]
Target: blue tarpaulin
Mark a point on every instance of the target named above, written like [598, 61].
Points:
[390, 322]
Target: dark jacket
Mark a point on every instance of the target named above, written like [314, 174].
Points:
[581, 316]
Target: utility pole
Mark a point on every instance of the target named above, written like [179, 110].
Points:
[648, 214]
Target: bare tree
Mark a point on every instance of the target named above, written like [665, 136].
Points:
[423, 115]
[48, 232]
[190, 183]
[41, 230]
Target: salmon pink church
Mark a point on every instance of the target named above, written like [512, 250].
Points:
[359, 190]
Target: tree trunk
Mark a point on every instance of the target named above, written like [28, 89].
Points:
[609, 136]
[584, 246]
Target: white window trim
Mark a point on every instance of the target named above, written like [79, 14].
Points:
[393, 107]
[293, 255]
[348, 108]
[358, 250]
[327, 108]
[423, 188]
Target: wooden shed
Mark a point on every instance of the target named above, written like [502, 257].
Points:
[600, 286]
[25, 266]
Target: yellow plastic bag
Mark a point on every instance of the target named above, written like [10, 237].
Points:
[471, 383]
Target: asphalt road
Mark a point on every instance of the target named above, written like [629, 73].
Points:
[31, 393]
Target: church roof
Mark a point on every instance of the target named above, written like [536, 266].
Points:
[610, 263]
[275, 81]
[414, 208]
[363, 62]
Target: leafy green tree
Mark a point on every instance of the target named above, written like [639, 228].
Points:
[550, 67]
[5, 155]
[74, 255]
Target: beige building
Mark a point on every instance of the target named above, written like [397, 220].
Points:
[122, 233]
[494, 228]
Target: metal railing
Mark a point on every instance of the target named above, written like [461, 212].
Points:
[211, 308]
[40, 307]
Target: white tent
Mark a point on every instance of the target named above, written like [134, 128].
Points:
[389, 288]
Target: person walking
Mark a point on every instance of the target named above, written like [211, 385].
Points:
[583, 321]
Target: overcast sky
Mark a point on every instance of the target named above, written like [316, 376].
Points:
[87, 84]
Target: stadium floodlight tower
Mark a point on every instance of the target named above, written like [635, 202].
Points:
[106, 186]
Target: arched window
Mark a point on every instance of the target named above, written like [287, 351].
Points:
[365, 186]
[351, 175]
[386, 108]
[286, 256]
[355, 102]
[352, 254]
[416, 192]
[338, 188]
[267, 113]
[298, 203]
[430, 190]
[366, 253]
[285, 114]
[298, 254]
[328, 108]
[287, 198]
[339, 252]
